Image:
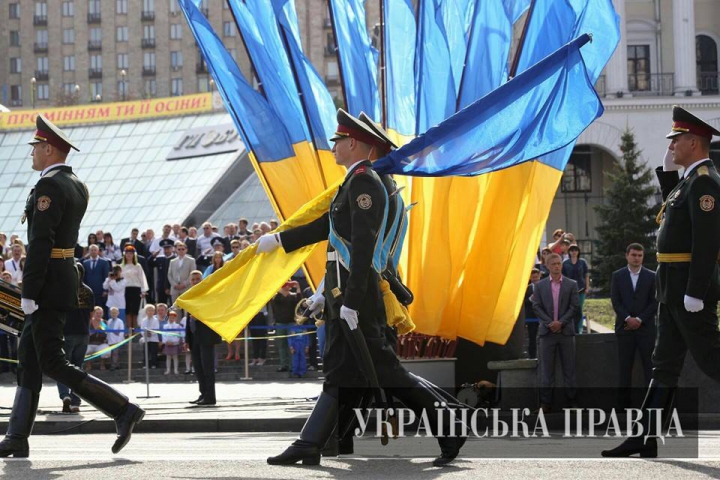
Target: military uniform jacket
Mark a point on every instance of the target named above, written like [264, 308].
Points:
[54, 210]
[691, 224]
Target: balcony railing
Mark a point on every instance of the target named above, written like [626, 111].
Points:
[147, 16]
[329, 50]
[148, 71]
[40, 20]
[16, 102]
[201, 67]
[95, 45]
[40, 47]
[327, 23]
[94, 18]
[659, 84]
[332, 79]
[205, 12]
[600, 86]
[708, 83]
[42, 75]
[148, 43]
[95, 73]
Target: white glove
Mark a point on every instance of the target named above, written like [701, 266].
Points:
[350, 316]
[668, 164]
[693, 304]
[317, 301]
[28, 306]
[268, 243]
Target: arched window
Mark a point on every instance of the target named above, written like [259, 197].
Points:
[707, 64]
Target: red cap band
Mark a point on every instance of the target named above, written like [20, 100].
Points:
[53, 140]
[692, 128]
[360, 135]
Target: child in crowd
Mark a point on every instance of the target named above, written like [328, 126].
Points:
[98, 338]
[299, 348]
[115, 286]
[173, 341]
[150, 322]
[115, 335]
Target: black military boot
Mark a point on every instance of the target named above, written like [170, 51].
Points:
[113, 404]
[315, 433]
[424, 397]
[22, 418]
[658, 396]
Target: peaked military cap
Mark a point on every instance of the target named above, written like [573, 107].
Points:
[216, 240]
[377, 129]
[49, 133]
[686, 122]
[166, 242]
[352, 127]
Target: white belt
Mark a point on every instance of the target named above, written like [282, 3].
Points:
[332, 256]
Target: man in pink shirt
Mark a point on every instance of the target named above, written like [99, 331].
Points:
[556, 304]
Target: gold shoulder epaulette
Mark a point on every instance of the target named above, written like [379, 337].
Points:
[703, 170]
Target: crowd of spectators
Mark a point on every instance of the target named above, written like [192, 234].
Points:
[138, 277]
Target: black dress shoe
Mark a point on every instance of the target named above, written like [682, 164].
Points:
[125, 423]
[449, 453]
[14, 447]
[299, 451]
[205, 402]
[634, 445]
[199, 399]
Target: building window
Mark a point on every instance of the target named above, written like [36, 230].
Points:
[122, 61]
[175, 31]
[15, 95]
[16, 65]
[150, 88]
[94, 7]
[69, 63]
[96, 62]
[174, 8]
[638, 62]
[577, 175]
[707, 64]
[121, 34]
[14, 38]
[203, 84]
[148, 32]
[68, 89]
[229, 29]
[176, 60]
[122, 89]
[14, 11]
[41, 9]
[42, 64]
[148, 5]
[41, 37]
[121, 7]
[332, 71]
[96, 35]
[68, 9]
[43, 91]
[96, 90]
[149, 60]
[177, 87]
[68, 35]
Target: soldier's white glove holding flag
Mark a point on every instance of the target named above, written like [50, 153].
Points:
[268, 243]
[693, 304]
[28, 306]
[350, 316]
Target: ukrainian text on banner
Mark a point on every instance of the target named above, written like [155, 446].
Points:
[108, 112]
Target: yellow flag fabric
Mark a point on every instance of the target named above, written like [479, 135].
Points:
[228, 299]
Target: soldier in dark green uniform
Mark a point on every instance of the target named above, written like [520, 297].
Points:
[688, 278]
[54, 210]
[356, 219]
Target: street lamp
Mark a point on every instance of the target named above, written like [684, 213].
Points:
[123, 74]
[33, 82]
[212, 85]
[97, 97]
[77, 93]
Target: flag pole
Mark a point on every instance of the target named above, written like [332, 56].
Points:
[337, 53]
[383, 66]
[521, 43]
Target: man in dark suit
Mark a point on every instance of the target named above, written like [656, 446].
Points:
[201, 341]
[633, 299]
[134, 241]
[556, 303]
[54, 210]
[96, 271]
[162, 263]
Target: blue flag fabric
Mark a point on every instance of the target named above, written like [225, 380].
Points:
[257, 25]
[357, 61]
[488, 48]
[540, 111]
[400, 25]
[315, 96]
[261, 129]
[436, 96]
[454, 24]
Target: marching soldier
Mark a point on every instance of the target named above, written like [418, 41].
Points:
[688, 278]
[353, 301]
[54, 210]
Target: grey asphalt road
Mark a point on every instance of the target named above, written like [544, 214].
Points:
[242, 455]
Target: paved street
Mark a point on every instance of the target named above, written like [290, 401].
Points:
[233, 455]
